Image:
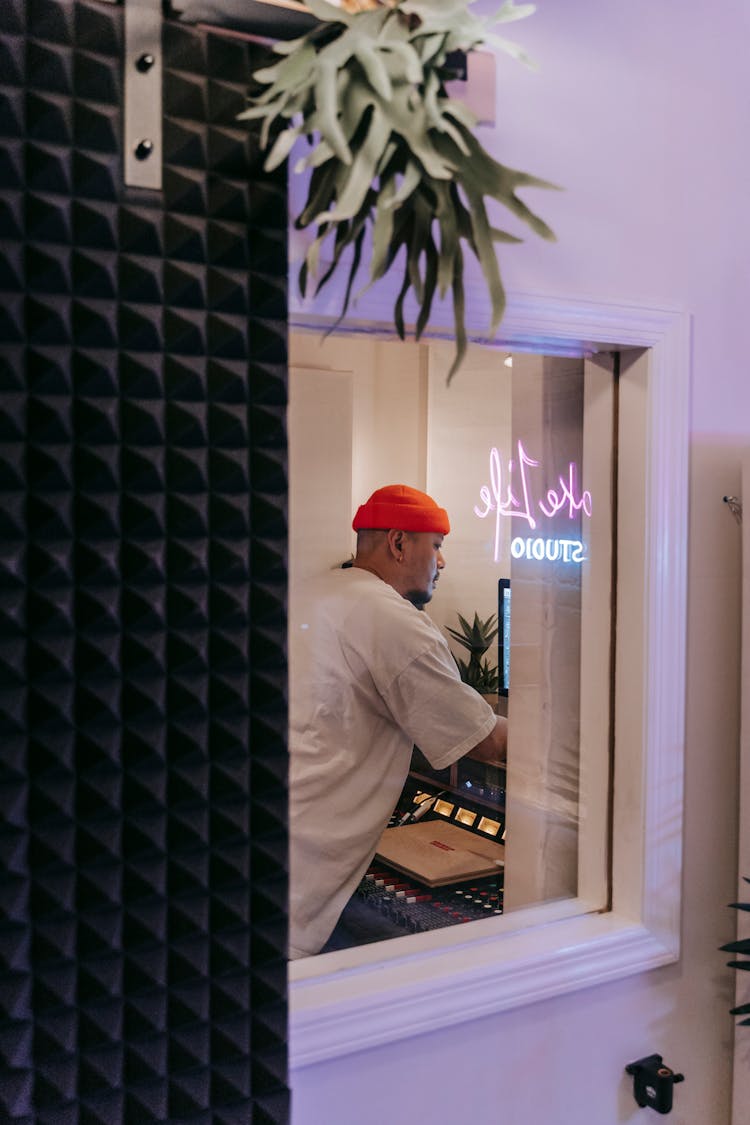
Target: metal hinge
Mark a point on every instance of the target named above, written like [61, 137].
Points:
[143, 94]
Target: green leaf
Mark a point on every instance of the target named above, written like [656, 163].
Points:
[322, 183]
[342, 241]
[510, 11]
[480, 674]
[431, 48]
[430, 284]
[313, 254]
[408, 118]
[503, 236]
[329, 13]
[281, 149]
[417, 244]
[401, 57]
[290, 72]
[447, 220]
[451, 107]
[289, 46]
[253, 113]
[410, 182]
[483, 242]
[500, 43]
[375, 69]
[382, 232]
[436, 119]
[488, 177]
[326, 93]
[356, 258]
[362, 170]
[347, 234]
[742, 946]
[412, 266]
[459, 315]
[398, 311]
[315, 157]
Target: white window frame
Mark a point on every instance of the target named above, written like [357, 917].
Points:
[360, 998]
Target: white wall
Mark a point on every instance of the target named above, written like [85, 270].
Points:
[640, 111]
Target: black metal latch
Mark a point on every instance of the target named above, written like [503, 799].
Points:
[653, 1083]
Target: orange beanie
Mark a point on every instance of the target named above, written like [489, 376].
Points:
[401, 507]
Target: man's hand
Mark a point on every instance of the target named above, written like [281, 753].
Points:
[494, 748]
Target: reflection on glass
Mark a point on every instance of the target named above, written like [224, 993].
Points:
[523, 462]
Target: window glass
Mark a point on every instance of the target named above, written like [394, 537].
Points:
[520, 451]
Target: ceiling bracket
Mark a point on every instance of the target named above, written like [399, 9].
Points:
[143, 94]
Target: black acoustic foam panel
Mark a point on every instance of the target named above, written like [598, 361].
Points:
[142, 589]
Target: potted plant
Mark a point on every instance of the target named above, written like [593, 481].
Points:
[476, 638]
[396, 172]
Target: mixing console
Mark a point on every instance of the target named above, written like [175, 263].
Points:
[414, 908]
[390, 904]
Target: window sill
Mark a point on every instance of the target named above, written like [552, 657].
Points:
[345, 1008]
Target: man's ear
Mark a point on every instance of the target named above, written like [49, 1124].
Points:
[395, 540]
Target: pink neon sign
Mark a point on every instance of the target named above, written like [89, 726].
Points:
[518, 500]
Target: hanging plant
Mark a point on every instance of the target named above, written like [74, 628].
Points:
[390, 153]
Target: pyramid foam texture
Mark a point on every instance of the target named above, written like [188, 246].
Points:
[143, 541]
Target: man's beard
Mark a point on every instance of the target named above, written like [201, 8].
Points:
[418, 598]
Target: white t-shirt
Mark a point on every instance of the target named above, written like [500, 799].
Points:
[370, 676]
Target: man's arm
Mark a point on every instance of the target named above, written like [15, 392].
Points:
[494, 747]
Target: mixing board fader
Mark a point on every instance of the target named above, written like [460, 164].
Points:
[415, 908]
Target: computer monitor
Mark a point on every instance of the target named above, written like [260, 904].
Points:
[503, 635]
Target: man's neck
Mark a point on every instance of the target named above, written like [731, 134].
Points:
[371, 566]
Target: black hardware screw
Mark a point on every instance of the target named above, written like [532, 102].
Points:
[143, 149]
[145, 62]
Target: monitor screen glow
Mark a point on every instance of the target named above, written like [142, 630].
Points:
[503, 635]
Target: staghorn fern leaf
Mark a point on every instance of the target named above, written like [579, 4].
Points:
[391, 154]
[742, 945]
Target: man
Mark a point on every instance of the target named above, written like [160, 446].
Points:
[371, 677]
